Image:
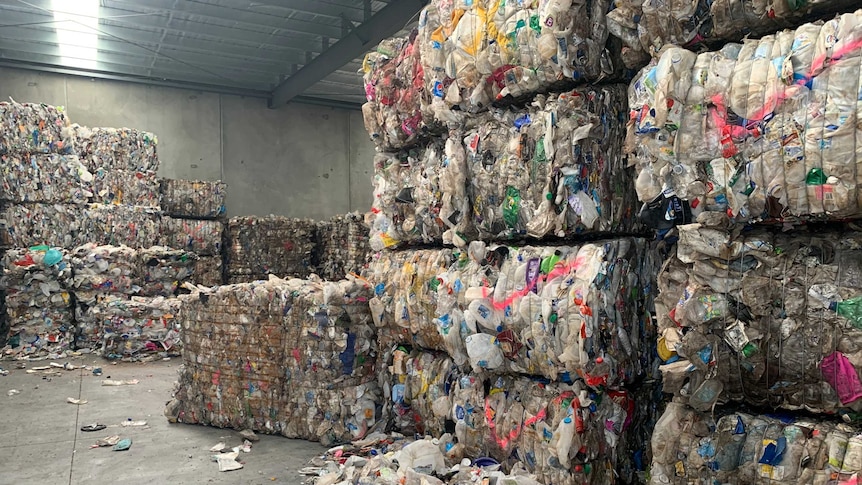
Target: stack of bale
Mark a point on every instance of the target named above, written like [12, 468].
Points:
[274, 245]
[194, 221]
[342, 246]
[755, 316]
[525, 329]
[290, 357]
[92, 196]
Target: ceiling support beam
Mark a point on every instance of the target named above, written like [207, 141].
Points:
[385, 23]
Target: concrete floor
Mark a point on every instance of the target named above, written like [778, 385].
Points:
[42, 442]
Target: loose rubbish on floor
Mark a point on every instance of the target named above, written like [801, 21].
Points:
[193, 199]
[254, 355]
[645, 26]
[555, 168]
[766, 318]
[739, 447]
[765, 129]
[562, 312]
[38, 303]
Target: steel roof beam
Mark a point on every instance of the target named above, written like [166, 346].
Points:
[363, 38]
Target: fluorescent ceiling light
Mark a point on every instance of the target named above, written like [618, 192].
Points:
[76, 23]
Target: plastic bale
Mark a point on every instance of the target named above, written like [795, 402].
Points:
[420, 196]
[193, 199]
[33, 128]
[112, 149]
[106, 269]
[342, 246]
[562, 312]
[395, 92]
[123, 187]
[645, 27]
[209, 271]
[763, 130]
[737, 447]
[476, 53]
[554, 169]
[136, 329]
[71, 226]
[260, 246]
[163, 270]
[233, 356]
[37, 303]
[202, 237]
[331, 415]
[47, 178]
[763, 318]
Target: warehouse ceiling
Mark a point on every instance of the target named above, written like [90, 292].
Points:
[283, 50]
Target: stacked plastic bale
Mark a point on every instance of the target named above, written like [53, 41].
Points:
[292, 357]
[37, 301]
[261, 246]
[645, 27]
[194, 220]
[342, 246]
[123, 298]
[754, 318]
[561, 319]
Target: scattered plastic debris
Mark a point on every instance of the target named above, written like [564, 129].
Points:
[249, 435]
[227, 461]
[72, 400]
[123, 445]
[106, 441]
[218, 448]
[115, 383]
[93, 427]
[130, 423]
[12, 392]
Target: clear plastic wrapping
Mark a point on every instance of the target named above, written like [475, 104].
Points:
[765, 318]
[291, 357]
[33, 128]
[766, 129]
[748, 448]
[37, 302]
[561, 312]
[193, 199]
[71, 226]
[202, 237]
[260, 246]
[644, 27]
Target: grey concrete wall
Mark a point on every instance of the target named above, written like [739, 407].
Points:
[298, 161]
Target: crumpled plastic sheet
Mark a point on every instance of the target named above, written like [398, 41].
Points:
[193, 199]
[474, 53]
[202, 237]
[395, 90]
[420, 196]
[112, 149]
[209, 271]
[163, 270]
[260, 246]
[646, 26]
[517, 419]
[561, 312]
[71, 226]
[64, 179]
[128, 329]
[766, 129]
[737, 447]
[748, 318]
[342, 246]
[37, 303]
[33, 128]
[554, 169]
[291, 357]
